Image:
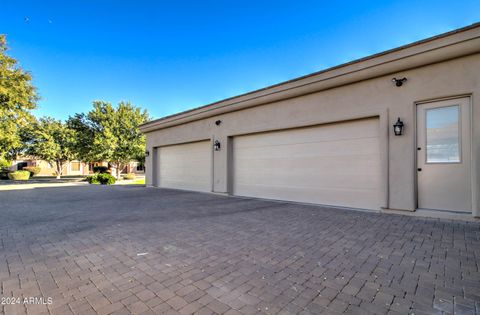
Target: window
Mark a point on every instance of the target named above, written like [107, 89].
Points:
[75, 166]
[443, 137]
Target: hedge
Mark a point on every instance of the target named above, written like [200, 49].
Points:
[19, 175]
[106, 179]
[34, 170]
[92, 179]
[103, 179]
[4, 173]
[4, 163]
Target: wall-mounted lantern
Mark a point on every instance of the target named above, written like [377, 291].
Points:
[147, 153]
[398, 127]
[218, 122]
[216, 145]
[399, 82]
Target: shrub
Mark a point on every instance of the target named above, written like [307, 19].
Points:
[4, 173]
[4, 163]
[34, 170]
[106, 179]
[100, 169]
[19, 175]
[103, 179]
[93, 179]
[129, 176]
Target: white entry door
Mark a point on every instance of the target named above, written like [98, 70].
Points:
[443, 155]
[185, 166]
[333, 164]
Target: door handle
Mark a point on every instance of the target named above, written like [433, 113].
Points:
[419, 169]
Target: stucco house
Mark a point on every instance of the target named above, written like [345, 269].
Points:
[71, 168]
[398, 130]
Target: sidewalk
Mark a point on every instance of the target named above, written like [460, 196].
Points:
[30, 184]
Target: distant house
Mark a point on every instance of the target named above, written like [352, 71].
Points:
[71, 168]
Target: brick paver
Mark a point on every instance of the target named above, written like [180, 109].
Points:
[123, 250]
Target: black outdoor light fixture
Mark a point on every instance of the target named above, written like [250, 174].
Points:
[216, 145]
[218, 122]
[147, 153]
[399, 82]
[398, 127]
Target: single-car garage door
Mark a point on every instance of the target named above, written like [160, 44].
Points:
[333, 164]
[185, 166]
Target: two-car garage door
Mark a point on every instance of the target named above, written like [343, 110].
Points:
[333, 164]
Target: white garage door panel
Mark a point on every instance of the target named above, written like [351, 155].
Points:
[185, 166]
[335, 164]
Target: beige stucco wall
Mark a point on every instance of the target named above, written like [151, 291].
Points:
[49, 170]
[373, 97]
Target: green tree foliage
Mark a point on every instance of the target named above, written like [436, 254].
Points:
[17, 97]
[85, 135]
[109, 133]
[52, 141]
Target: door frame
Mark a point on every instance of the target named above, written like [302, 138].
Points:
[473, 165]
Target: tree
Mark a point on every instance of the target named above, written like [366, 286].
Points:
[52, 141]
[109, 133]
[84, 134]
[17, 97]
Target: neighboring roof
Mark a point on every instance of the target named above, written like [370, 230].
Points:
[463, 41]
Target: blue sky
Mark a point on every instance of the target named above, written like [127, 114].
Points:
[169, 56]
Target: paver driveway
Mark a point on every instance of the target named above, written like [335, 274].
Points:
[122, 250]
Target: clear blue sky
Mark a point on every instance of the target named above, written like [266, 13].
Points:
[169, 56]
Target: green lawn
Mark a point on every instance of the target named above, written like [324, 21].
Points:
[140, 181]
